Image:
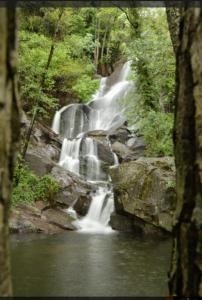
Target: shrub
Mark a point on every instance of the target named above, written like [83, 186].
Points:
[85, 87]
[157, 129]
[29, 188]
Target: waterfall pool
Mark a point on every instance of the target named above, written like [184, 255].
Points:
[81, 264]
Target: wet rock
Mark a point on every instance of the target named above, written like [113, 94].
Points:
[75, 116]
[105, 153]
[99, 135]
[82, 205]
[121, 134]
[145, 190]
[90, 167]
[121, 223]
[59, 218]
[121, 150]
[90, 170]
[72, 189]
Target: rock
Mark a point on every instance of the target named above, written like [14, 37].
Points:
[121, 135]
[82, 205]
[99, 136]
[38, 162]
[144, 189]
[72, 189]
[105, 153]
[28, 219]
[121, 150]
[90, 170]
[121, 223]
[59, 218]
[132, 150]
[136, 143]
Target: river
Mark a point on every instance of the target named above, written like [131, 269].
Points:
[81, 264]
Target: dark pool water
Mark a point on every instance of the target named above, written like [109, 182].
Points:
[75, 264]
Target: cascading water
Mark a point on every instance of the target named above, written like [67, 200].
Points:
[79, 152]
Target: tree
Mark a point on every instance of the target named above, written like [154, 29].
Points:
[185, 275]
[37, 104]
[9, 134]
[173, 17]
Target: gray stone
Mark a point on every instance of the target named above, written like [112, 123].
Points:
[145, 189]
[121, 150]
[38, 162]
[121, 135]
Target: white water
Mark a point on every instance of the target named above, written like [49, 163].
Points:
[98, 216]
[79, 154]
[69, 157]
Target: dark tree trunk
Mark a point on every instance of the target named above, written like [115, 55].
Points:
[174, 16]
[9, 134]
[185, 274]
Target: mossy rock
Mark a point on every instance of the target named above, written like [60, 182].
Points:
[145, 188]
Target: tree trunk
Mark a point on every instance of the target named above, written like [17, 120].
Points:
[185, 274]
[174, 15]
[9, 134]
[97, 42]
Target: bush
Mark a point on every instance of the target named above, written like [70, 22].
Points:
[29, 188]
[85, 87]
[157, 129]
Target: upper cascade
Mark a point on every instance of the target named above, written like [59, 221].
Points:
[103, 112]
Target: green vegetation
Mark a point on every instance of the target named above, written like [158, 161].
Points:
[157, 130]
[150, 105]
[29, 188]
[85, 87]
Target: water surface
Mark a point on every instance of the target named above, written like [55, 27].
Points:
[78, 264]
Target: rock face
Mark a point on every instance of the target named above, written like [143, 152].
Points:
[144, 192]
[39, 218]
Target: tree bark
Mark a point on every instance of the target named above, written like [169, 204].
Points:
[174, 16]
[185, 274]
[9, 134]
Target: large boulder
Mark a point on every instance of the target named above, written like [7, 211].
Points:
[144, 189]
[72, 189]
[38, 162]
[31, 218]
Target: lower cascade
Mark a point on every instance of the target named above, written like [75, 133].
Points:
[80, 150]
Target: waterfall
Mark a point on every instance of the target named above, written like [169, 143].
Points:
[79, 153]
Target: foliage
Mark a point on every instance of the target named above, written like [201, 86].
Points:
[72, 57]
[29, 188]
[85, 87]
[32, 61]
[157, 129]
[153, 61]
